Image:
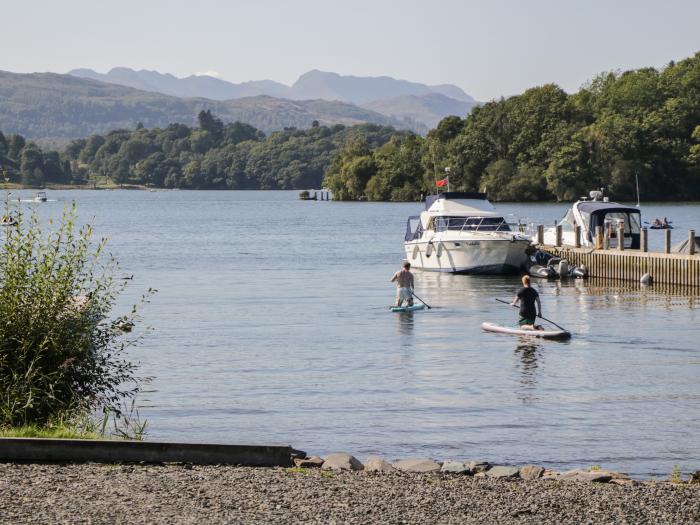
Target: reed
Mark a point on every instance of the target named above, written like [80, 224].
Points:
[62, 353]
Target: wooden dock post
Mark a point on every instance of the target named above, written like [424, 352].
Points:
[621, 236]
[644, 240]
[691, 242]
[577, 236]
[558, 241]
[540, 234]
[598, 237]
[606, 237]
[667, 241]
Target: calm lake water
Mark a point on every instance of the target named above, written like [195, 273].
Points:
[271, 325]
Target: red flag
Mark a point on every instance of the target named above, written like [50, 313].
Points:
[441, 183]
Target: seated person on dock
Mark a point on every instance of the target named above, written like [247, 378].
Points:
[404, 285]
[528, 297]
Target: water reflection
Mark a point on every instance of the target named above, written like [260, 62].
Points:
[528, 353]
[405, 323]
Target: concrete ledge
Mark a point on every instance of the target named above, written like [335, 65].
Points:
[38, 450]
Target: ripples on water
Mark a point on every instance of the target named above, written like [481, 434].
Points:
[271, 325]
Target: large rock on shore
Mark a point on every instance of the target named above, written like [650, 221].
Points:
[596, 476]
[341, 461]
[531, 472]
[417, 465]
[377, 464]
[503, 472]
[479, 466]
[312, 462]
[455, 467]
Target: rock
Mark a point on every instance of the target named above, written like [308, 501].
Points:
[596, 476]
[531, 472]
[479, 466]
[695, 477]
[502, 472]
[624, 482]
[550, 474]
[377, 464]
[418, 465]
[455, 467]
[341, 461]
[312, 462]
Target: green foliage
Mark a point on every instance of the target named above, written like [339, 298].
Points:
[61, 356]
[546, 144]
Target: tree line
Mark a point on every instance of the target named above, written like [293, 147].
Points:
[213, 155]
[546, 144]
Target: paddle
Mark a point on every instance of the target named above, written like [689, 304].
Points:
[543, 318]
[421, 300]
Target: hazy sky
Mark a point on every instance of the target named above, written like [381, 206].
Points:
[489, 48]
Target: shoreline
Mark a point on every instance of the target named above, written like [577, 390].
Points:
[50, 493]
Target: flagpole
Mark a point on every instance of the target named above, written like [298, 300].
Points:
[447, 176]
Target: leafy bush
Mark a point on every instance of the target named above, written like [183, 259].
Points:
[61, 356]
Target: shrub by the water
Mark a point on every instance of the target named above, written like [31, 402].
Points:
[61, 355]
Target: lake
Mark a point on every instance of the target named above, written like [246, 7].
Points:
[271, 326]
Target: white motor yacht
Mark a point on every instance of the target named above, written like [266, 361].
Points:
[463, 233]
[40, 196]
[597, 211]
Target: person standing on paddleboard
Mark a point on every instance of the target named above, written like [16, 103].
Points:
[528, 297]
[404, 285]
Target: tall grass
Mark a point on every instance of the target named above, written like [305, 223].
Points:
[62, 357]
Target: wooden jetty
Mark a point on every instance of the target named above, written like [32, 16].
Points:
[680, 269]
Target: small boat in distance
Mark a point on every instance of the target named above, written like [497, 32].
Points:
[40, 196]
[461, 232]
[593, 212]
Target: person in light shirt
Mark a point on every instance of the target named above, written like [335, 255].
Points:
[404, 285]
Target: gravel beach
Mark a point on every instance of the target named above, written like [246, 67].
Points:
[95, 493]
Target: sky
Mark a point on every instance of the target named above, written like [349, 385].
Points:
[489, 48]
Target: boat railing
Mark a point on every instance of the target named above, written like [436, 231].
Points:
[471, 224]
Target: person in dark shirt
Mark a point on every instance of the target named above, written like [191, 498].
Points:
[528, 297]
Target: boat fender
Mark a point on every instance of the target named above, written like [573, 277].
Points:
[429, 249]
[415, 252]
[646, 279]
[439, 250]
[563, 267]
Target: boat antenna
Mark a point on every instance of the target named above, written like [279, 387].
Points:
[636, 179]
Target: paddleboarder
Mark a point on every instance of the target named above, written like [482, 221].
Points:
[528, 297]
[404, 285]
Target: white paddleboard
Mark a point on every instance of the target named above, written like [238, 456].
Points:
[545, 334]
[407, 308]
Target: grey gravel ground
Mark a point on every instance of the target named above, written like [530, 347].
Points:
[217, 494]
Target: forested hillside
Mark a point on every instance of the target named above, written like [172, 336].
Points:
[547, 144]
[213, 155]
[55, 108]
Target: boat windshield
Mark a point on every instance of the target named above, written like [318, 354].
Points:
[472, 224]
[568, 222]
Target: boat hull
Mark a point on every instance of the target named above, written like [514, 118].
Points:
[475, 256]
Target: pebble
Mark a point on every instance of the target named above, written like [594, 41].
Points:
[159, 495]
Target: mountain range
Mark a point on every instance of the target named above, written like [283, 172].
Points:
[54, 108]
[411, 101]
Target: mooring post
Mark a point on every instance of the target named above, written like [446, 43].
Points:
[540, 234]
[691, 242]
[644, 240]
[577, 236]
[558, 243]
[598, 237]
[667, 241]
[621, 236]
[606, 237]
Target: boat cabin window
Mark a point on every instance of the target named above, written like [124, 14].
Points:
[469, 224]
[631, 221]
[414, 228]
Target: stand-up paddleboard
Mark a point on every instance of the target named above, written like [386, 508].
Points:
[407, 308]
[545, 334]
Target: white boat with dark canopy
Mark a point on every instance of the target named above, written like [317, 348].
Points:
[463, 233]
[598, 211]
